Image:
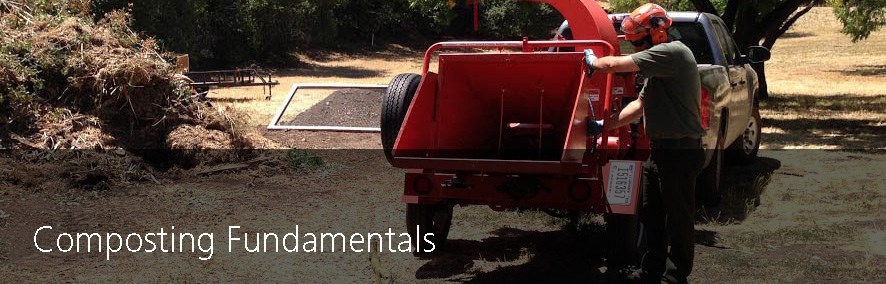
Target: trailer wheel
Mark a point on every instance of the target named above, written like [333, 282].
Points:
[425, 219]
[744, 150]
[396, 101]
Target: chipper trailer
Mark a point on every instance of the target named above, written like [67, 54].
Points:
[504, 124]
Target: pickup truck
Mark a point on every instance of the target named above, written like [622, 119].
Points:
[730, 112]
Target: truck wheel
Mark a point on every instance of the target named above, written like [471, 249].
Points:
[395, 103]
[425, 219]
[744, 150]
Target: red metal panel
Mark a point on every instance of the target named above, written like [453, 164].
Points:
[419, 128]
[490, 166]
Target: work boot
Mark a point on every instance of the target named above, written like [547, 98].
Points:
[671, 279]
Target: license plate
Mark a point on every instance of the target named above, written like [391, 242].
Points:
[621, 182]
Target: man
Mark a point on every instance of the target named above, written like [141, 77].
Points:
[670, 102]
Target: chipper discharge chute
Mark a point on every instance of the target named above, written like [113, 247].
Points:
[504, 124]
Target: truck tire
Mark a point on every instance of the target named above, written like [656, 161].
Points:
[397, 98]
[422, 219]
[744, 150]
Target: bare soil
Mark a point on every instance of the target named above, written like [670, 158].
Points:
[348, 107]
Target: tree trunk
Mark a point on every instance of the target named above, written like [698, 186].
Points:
[750, 27]
[763, 90]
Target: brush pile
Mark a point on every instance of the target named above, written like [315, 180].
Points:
[68, 81]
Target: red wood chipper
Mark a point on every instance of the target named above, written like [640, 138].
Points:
[507, 129]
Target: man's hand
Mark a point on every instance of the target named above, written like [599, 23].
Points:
[590, 57]
[595, 127]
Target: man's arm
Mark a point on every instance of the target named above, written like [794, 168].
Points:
[612, 64]
[632, 112]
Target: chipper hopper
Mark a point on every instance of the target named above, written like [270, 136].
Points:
[504, 124]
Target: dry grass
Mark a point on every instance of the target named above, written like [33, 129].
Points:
[827, 92]
[375, 68]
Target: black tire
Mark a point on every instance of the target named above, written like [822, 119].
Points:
[744, 150]
[397, 98]
[707, 185]
[422, 219]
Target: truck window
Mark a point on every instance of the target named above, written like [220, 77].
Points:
[690, 34]
[727, 46]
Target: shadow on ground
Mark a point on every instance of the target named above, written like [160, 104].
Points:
[236, 100]
[823, 120]
[518, 256]
[569, 255]
[864, 70]
[345, 107]
[839, 102]
[408, 48]
[742, 186]
[796, 34]
[313, 70]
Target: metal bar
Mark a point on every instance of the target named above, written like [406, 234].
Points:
[283, 106]
[295, 87]
[510, 45]
[325, 128]
[488, 165]
[230, 84]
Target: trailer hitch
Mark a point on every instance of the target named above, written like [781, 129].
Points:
[521, 188]
[455, 182]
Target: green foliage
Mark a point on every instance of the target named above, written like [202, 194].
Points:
[440, 13]
[860, 17]
[510, 19]
[230, 33]
[304, 160]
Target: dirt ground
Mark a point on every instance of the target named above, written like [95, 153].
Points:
[811, 209]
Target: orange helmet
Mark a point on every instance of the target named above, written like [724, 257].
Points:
[649, 19]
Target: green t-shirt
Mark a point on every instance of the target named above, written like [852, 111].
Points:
[671, 95]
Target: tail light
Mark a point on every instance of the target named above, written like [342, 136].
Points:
[422, 185]
[705, 109]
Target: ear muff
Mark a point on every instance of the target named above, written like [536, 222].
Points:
[659, 29]
[659, 35]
